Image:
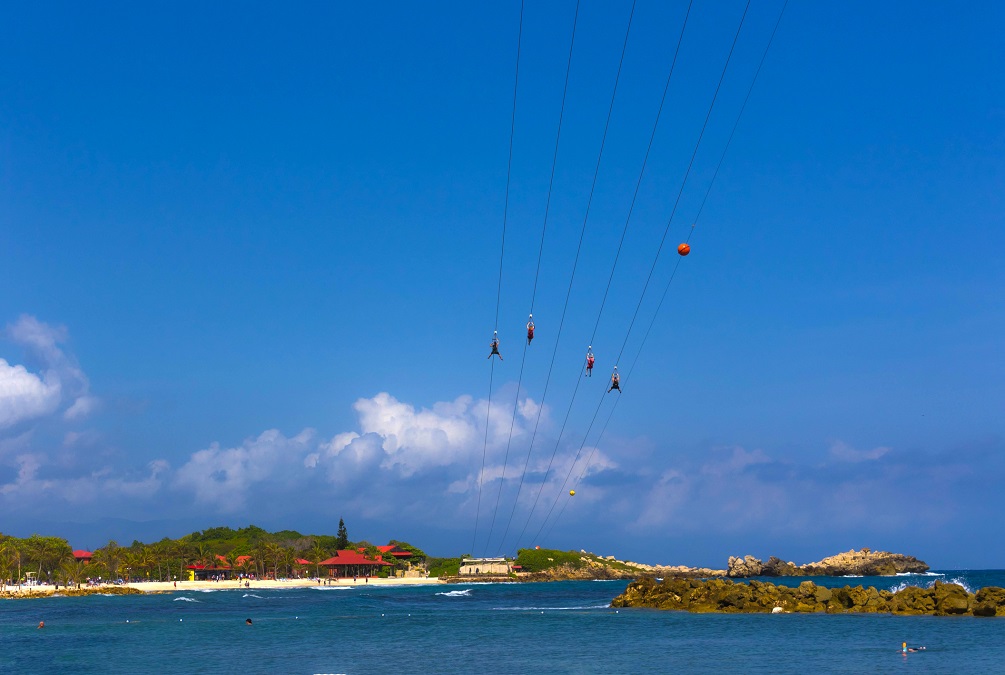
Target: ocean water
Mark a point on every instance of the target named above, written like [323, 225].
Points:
[558, 627]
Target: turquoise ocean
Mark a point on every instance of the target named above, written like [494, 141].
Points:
[556, 627]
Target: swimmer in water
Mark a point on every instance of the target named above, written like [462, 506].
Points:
[247, 621]
[41, 624]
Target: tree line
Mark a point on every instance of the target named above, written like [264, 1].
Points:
[269, 554]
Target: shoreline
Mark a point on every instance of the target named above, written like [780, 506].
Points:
[148, 587]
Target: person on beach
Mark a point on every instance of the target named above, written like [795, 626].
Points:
[495, 346]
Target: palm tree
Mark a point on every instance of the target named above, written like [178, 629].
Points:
[316, 555]
[232, 562]
[72, 572]
[8, 552]
[273, 551]
[287, 557]
[110, 557]
[203, 555]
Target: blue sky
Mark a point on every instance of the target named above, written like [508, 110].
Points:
[250, 262]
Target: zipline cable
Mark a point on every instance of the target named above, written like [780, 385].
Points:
[658, 252]
[502, 251]
[638, 183]
[683, 183]
[666, 289]
[568, 292]
[488, 412]
[537, 274]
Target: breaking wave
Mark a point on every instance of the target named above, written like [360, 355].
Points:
[466, 593]
[959, 581]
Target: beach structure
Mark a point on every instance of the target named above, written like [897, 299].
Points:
[399, 554]
[353, 563]
[485, 567]
[83, 556]
[220, 569]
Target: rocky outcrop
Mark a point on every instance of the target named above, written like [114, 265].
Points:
[747, 566]
[775, 567]
[13, 593]
[863, 563]
[724, 595]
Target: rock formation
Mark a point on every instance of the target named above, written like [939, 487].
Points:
[864, 563]
[724, 595]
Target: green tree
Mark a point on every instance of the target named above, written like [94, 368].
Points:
[72, 572]
[109, 557]
[343, 536]
[286, 558]
[316, 555]
[232, 562]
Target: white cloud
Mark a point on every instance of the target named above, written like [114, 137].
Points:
[24, 395]
[82, 407]
[223, 477]
[417, 439]
[27, 396]
[843, 452]
[101, 486]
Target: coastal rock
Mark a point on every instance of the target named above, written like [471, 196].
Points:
[747, 566]
[989, 601]
[865, 563]
[851, 563]
[725, 595]
[776, 567]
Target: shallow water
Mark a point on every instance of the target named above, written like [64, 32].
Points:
[561, 627]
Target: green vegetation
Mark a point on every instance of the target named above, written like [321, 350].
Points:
[35, 557]
[418, 555]
[443, 567]
[541, 559]
[342, 540]
[250, 550]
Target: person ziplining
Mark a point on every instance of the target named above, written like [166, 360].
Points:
[589, 361]
[615, 381]
[530, 329]
[495, 346]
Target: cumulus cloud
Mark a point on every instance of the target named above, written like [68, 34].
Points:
[402, 463]
[416, 439]
[101, 487]
[24, 395]
[224, 477]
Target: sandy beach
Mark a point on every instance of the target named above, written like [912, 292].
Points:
[43, 590]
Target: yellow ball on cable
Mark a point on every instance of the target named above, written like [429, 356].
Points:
[572, 493]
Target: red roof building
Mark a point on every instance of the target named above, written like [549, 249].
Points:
[349, 563]
[82, 556]
[393, 550]
[220, 569]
